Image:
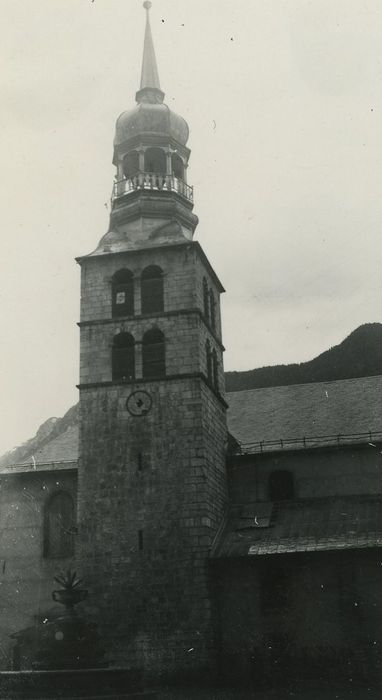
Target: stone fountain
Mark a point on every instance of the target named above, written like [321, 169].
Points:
[68, 641]
[69, 658]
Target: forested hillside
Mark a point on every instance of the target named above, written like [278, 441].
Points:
[359, 355]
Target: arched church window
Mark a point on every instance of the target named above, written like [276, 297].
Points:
[153, 354]
[209, 362]
[123, 357]
[59, 526]
[155, 161]
[131, 164]
[152, 290]
[177, 166]
[122, 293]
[206, 302]
[281, 485]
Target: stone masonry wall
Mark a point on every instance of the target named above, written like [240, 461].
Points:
[151, 497]
[317, 473]
[26, 577]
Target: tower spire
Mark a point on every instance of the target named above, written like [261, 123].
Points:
[150, 90]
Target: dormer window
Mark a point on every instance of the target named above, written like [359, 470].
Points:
[122, 293]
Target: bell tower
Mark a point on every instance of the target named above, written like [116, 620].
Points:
[152, 481]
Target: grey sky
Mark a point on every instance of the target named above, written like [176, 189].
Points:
[284, 103]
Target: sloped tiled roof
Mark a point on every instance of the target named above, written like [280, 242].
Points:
[345, 407]
[310, 525]
[63, 448]
[280, 416]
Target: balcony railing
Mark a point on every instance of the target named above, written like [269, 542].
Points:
[154, 182]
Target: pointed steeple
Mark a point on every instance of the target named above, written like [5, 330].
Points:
[150, 90]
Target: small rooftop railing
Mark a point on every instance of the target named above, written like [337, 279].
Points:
[369, 437]
[154, 182]
[31, 466]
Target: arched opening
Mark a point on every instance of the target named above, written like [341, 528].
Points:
[152, 290]
[155, 161]
[281, 485]
[206, 303]
[123, 357]
[123, 293]
[131, 164]
[209, 362]
[177, 166]
[59, 526]
[153, 354]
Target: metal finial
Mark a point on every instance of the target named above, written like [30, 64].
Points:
[147, 4]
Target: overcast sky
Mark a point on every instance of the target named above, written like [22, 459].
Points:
[284, 103]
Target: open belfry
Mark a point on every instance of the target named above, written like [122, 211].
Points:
[153, 435]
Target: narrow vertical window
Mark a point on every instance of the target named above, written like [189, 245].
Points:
[153, 354]
[59, 523]
[206, 302]
[209, 362]
[123, 357]
[212, 310]
[152, 290]
[122, 293]
[215, 370]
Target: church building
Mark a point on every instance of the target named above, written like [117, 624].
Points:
[238, 533]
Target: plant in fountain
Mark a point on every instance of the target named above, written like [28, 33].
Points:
[70, 594]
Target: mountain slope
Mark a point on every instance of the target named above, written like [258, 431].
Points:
[359, 355]
[49, 431]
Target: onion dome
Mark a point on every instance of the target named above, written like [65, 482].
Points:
[151, 115]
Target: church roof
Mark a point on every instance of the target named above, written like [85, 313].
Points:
[288, 417]
[307, 415]
[310, 525]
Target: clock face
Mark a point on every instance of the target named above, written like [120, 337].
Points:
[139, 403]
